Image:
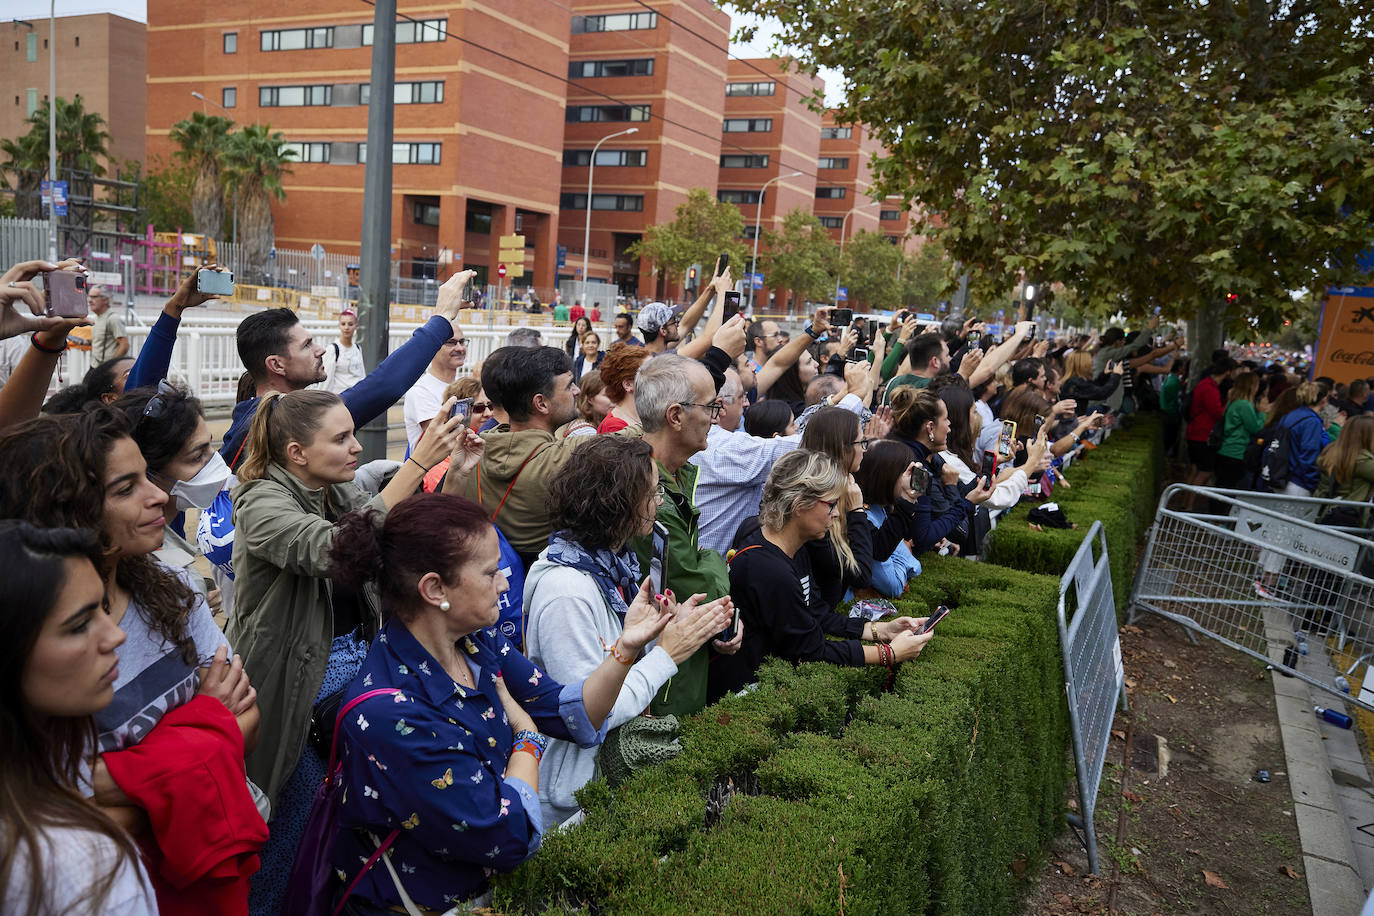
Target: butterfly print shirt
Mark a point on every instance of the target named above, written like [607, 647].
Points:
[429, 762]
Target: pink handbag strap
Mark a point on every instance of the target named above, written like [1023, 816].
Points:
[372, 860]
[338, 721]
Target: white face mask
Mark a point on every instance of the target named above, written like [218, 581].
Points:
[200, 491]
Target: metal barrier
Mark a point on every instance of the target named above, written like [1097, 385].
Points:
[1255, 572]
[1094, 678]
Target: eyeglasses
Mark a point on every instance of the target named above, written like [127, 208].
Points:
[481, 406]
[456, 342]
[713, 409]
[830, 503]
[863, 444]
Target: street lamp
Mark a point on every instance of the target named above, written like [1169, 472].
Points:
[843, 223]
[758, 220]
[203, 100]
[587, 233]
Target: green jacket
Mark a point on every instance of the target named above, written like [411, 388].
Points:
[282, 623]
[1241, 421]
[688, 569]
[907, 381]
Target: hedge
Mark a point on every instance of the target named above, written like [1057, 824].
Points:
[1118, 484]
[819, 791]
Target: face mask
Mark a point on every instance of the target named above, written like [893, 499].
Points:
[200, 491]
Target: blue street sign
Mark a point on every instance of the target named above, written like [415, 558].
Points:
[757, 280]
[272, 253]
[842, 294]
[562, 255]
[924, 316]
[55, 194]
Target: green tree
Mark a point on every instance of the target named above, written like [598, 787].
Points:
[702, 229]
[255, 161]
[201, 140]
[869, 271]
[164, 194]
[801, 257]
[926, 276]
[82, 145]
[1164, 153]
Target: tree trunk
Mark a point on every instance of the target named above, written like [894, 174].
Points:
[1206, 332]
[207, 200]
[255, 232]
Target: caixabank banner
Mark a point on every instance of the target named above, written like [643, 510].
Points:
[1345, 343]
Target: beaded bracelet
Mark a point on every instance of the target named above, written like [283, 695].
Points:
[614, 649]
[531, 743]
[46, 349]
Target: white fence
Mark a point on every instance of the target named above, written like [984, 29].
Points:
[22, 240]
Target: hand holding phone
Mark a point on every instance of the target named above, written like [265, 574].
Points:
[722, 262]
[939, 614]
[732, 305]
[462, 408]
[214, 282]
[65, 293]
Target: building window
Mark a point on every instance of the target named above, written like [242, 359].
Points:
[750, 232]
[231, 42]
[229, 97]
[893, 239]
[612, 157]
[831, 193]
[889, 214]
[836, 133]
[747, 125]
[309, 152]
[78, 41]
[294, 96]
[733, 161]
[427, 214]
[583, 113]
[588, 69]
[30, 102]
[614, 22]
[765, 87]
[831, 222]
[413, 31]
[832, 162]
[408, 153]
[420, 93]
[477, 221]
[738, 197]
[298, 39]
[629, 202]
[31, 47]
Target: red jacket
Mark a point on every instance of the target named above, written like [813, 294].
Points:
[1207, 409]
[188, 775]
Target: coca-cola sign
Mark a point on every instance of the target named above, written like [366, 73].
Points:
[1345, 346]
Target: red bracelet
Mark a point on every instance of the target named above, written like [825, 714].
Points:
[52, 350]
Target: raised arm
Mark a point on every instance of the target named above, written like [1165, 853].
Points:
[717, 288]
[689, 319]
[790, 352]
[998, 356]
[155, 356]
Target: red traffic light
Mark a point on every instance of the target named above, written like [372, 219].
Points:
[1232, 297]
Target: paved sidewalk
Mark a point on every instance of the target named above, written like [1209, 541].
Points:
[1333, 797]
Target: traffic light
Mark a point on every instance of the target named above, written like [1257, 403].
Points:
[1232, 298]
[692, 277]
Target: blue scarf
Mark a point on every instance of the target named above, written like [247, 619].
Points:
[616, 574]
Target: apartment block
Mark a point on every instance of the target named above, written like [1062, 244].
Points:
[478, 138]
[843, 179]
[100, 57]
[658, 68]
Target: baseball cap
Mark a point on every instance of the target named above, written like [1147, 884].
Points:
[654, 316]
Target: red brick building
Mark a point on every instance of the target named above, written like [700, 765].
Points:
[664, 71]
[843, 179]
[478, 138]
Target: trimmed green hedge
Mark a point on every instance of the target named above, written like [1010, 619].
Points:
[923, 799]
[1117, 484]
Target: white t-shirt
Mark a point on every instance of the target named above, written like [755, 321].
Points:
[72, 860]
[422, 403]
[345, 370]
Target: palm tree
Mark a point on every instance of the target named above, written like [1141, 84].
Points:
[202, 139]
[81, 146]
[256, 160]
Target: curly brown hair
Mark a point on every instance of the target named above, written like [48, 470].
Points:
[598, 497]
[619, 366]
[55, 478]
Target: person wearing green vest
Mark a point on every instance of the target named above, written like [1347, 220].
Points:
[560, 313]
[677, 403]
[1241, 421]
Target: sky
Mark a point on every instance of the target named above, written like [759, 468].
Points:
[761, 46]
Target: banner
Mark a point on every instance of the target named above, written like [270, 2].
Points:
[1345, 343]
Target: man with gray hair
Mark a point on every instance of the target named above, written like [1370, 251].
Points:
[677, 405]
[524, 337]
[108, 339]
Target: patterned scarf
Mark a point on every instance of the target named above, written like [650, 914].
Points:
[617, 574]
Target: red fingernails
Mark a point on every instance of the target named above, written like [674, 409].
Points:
[658, 598]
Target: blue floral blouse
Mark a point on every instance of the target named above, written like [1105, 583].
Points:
[430, 760]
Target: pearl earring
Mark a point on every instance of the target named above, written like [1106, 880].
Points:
[444, 605]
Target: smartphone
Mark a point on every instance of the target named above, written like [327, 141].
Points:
[1039, 422]
[872, 329]
[974, 337]
[920, 479]
[903, 315]
[842, 318]
[1031, 335]
[65, 291]
[469, 292]
[724, 263]
[462, 409]
[729, 632]
[1007, 438]
[989, 462]
[939, 614]
[732, 306]
[215, 282]
[658, 557]
[859, 355]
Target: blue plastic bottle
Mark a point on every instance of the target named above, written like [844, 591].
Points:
[1338, 719]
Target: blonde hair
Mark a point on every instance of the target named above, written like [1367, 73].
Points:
[469, 386]
[1338, 459]
[1078, 365]
[805, 477]
[282, 419]
[1244, 388]
[1309, 393]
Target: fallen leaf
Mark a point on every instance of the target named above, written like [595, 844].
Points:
[1170, 663]
[1118, 734]
[724, 718]
[1176, 677]
[1288, 870]
[1194, 852]
[1130, 682]
[1130, 629]
[1171, 698]
[1131, 796]
[1063, 899]
[1066, 868]
[1213, 879]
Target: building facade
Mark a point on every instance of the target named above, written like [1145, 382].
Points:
[100, 57]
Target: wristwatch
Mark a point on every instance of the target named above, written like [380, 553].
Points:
[812, 334]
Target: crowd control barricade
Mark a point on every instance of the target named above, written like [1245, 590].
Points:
[1256, 572]
[1094, 678]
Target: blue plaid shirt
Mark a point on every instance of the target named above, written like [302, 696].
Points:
[430, 760]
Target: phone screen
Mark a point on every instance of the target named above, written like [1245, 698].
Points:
[939, 614]
[1039, 422]
[1007, 438]
[974, 337]
[842, 318]
[462, 409]
[859, 355]
[920, 480]
[989, 462]
[656, 560]
[872, 329]
[732, 304]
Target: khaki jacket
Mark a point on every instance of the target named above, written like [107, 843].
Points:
[524, 516]
[282, 623]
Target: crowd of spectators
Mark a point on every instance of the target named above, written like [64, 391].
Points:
[582, 544]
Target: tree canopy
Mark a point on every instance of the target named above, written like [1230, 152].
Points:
[702, 229]
[800, 257]
[1144, 152]
[81, 145]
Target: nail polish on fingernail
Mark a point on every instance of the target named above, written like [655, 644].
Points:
[658, 598]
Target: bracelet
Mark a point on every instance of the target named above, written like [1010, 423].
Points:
[614, 649]
[45, 349]
[531, 743]
[418, 464]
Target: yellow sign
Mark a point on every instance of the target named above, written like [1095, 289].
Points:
[513, 241]
[1345, 345]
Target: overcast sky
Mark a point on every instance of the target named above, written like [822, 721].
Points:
[138, 9]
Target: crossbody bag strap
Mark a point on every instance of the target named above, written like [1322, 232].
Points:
[383, 848]
[338, 721]
[380, 852]
[520, 470]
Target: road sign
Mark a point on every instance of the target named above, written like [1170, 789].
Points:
[272, 253]
[317, 252]
[756, 280]
[841, 293]
[55, 193]
[501, 271]
[562, 255]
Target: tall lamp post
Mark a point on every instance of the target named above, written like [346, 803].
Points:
[758, 221]
[52, 131]
[587, 233]
[203, 100]
[843, 224]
